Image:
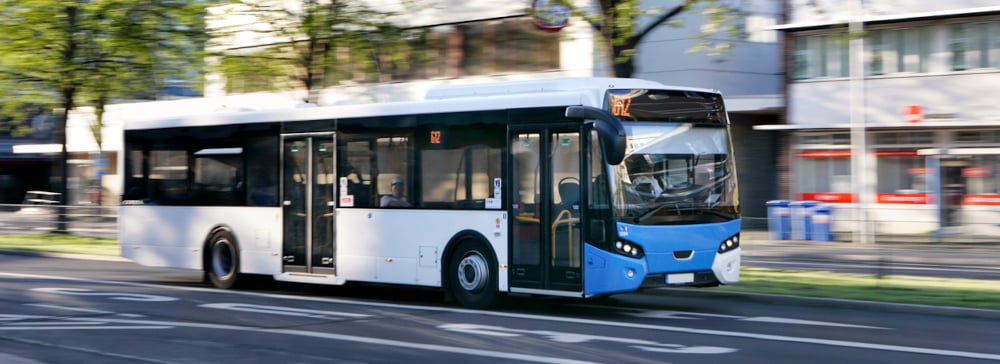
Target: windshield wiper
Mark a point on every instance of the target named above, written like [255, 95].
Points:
[708, 211]
[647, 214]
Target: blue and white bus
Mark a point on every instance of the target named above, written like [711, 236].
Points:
[573, 187]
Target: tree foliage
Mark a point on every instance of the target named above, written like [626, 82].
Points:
[61, 54]
[310, 44]
[623, 24]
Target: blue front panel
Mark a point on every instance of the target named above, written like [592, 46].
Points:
[661, 241]
[607, 272]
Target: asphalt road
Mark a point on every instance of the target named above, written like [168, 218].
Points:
[59, 310]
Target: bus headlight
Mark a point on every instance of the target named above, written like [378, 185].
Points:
[628, 249]
[732, 243]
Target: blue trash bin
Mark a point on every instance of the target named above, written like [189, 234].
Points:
[778, 220]
[822, 223]
[801, 219]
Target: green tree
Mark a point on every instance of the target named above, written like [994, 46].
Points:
[618, 21]
[308, 45]
[62, 54]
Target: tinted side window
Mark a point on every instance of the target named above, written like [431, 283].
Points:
[458, 165]
[202, 166]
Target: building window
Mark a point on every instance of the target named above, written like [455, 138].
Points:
[901, 50]
[901, 174]
[981, 177]
[801, 58]
[836, 56]
[993, 40]
[825, 171]
[877, 52]
[909, 138]
[913, 49]
[985, 137]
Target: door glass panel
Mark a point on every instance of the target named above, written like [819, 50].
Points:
[565, 200]
[323, 179]
[527, 231]
[294, 181]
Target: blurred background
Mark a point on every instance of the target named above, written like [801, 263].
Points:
[857, 121]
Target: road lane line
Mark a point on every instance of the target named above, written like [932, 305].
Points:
[87, 350]
[85, 310]
[686, 330]
[285, 311]
[343, 337]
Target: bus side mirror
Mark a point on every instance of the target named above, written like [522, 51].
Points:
[609, 130]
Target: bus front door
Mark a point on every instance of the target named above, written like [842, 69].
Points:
[308, 202]
[546, 204]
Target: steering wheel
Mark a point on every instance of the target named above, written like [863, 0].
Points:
[569, 179]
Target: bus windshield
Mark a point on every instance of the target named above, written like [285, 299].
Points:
[675, 173]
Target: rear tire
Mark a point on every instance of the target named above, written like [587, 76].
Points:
[473, 277]
[223, 265]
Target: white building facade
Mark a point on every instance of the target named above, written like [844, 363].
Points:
[923, 100]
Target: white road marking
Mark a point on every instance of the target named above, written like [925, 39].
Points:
[686, 330]
[111, 295]
[681, 315]
[285, 311]
[86, 350]
[85, 310]
[151, 324]
[49, 323]
[573, 338]
[791, 321]
[74, 309]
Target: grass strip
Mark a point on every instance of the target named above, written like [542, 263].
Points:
[973, 293]
[60, 243]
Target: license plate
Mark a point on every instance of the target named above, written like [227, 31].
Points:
[680, 278]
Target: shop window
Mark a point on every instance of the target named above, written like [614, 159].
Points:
[825, 171]
[981, 175]
[902, 175]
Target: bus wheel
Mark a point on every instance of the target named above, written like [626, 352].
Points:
[473, 278]
[223, 260]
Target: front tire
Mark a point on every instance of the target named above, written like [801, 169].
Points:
[473, 277]
[223, 263]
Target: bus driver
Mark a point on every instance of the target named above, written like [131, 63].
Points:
[396, 198]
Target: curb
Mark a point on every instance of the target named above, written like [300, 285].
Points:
[833, 302]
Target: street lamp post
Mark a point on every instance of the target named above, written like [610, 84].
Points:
[859, 151]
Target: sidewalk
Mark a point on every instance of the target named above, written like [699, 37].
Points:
[895, 242]
[889, 251]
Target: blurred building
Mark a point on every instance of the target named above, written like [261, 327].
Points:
[925, 101]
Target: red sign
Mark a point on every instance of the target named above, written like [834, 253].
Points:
[549, 15]
[914, 113]
[975, 172]
[825, 154]
[831, 197]
[896, 153]
[904, 198]
[983, 199]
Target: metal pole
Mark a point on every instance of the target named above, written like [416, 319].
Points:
[859, 151]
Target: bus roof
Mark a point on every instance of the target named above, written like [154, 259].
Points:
[587, 91]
